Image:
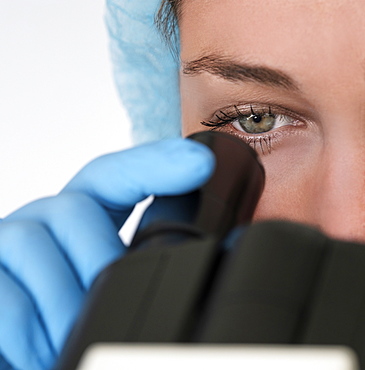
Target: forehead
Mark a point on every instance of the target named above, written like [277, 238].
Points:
[318, 38]
[282, 24]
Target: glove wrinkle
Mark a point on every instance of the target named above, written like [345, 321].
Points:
[4, 365]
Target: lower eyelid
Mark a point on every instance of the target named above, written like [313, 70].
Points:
[269, 141]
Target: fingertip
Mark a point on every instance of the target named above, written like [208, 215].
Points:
[179, 155]
[189, 151]
[201, 159]
[165, 167]
[185, 165]
[204, 152]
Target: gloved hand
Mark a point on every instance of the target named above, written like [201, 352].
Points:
[52, 249]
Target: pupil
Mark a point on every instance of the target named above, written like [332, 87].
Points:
[256, 118]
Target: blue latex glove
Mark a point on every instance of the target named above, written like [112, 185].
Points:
[145, 71]
[52, 250]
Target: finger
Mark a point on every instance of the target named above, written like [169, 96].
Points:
[82, 230]
[30, 254]
[169, 167]
[117, 181]
[23, 341]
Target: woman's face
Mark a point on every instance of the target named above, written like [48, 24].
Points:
[287, 76]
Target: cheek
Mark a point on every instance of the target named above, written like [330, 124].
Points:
[291, 177]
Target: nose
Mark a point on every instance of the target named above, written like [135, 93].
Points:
[339, 197]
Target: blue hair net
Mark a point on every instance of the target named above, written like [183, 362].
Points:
[146, 73]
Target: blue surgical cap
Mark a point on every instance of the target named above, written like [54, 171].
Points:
[145, 70]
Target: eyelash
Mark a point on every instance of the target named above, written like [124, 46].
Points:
[262, 139]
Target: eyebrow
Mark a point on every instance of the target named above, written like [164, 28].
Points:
[233, 71]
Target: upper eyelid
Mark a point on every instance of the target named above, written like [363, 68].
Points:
[234, 111]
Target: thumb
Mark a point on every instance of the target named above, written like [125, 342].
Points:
[119, 180]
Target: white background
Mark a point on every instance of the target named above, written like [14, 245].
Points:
[58, 105]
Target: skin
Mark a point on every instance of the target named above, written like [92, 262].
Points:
[316, 167]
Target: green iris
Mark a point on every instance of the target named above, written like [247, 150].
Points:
[257, 123]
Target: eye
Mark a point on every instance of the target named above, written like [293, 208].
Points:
[259, 127]
[258, 123]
